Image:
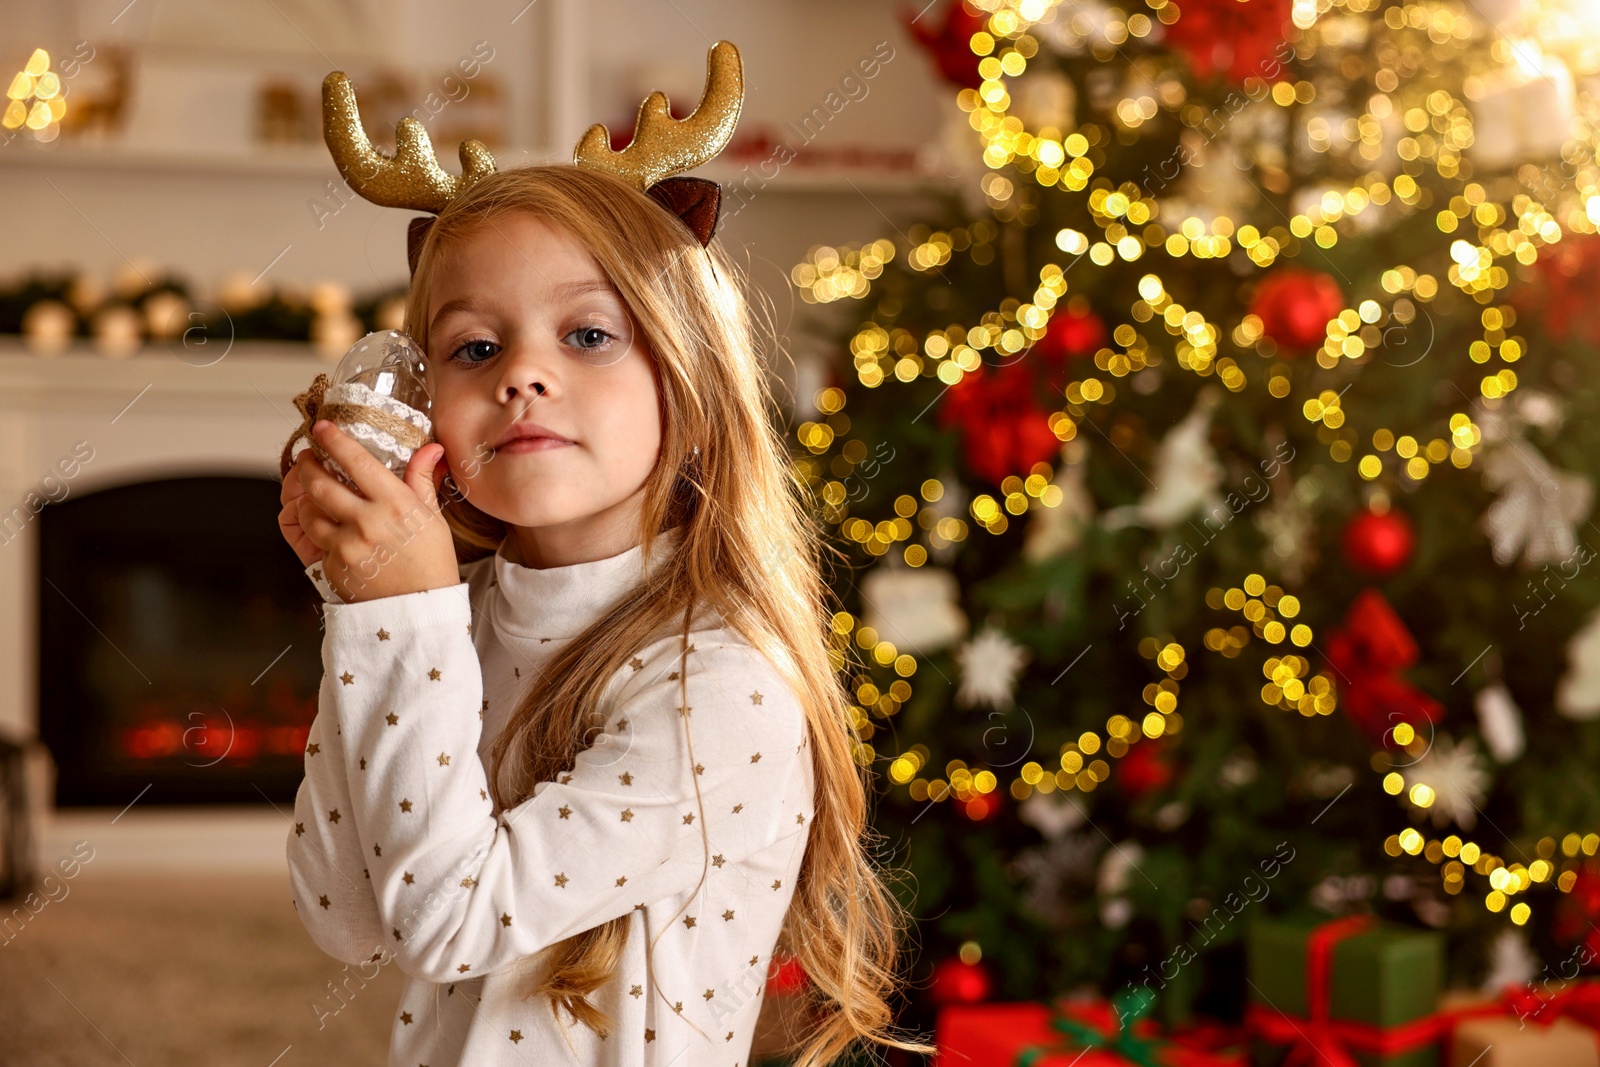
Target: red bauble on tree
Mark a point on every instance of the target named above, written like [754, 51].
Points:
[1379, 543]
[1294, 306]
[1143, 769]
[955, 982]
[1003, 428]
[1069, 335]
[1369, 655]
[1236, 39]
[949, 41]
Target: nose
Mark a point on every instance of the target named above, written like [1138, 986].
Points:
[524, 376]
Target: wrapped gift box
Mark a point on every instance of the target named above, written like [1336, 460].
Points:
[999, 1034]
[1369, 987]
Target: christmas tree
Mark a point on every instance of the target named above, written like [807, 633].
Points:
[1215, 473]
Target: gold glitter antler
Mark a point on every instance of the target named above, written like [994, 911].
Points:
[413, 177]
[663, 145]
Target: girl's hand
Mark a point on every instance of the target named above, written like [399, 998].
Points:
[389, 538]
[289, 519]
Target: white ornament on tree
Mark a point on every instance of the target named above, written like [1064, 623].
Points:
[915, 608]
[1539, 506]
[1511, 963]
[990, 664]
[1578, 691]
[1055, 530]
[1186, 474]
[1500, 722]
[1459, 783]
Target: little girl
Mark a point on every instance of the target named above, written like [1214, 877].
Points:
[582, 787]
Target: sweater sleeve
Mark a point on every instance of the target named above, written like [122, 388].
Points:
[318, 579]
[637, 819]
[332, 889]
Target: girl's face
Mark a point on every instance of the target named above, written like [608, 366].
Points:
[525, 334]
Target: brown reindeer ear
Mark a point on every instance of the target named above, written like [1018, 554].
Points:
[416, 233]
[697, 201]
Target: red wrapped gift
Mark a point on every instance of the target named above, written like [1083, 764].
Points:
[1078, 1033]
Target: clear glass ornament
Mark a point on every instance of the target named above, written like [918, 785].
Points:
[379, 395]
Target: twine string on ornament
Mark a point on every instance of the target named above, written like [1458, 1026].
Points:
[312, 408]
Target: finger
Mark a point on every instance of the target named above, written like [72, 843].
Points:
[329, 492]
[373, 479]
[292, 489]
[317, 524]
[422, 473]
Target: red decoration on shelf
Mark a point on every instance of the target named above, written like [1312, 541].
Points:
[1295, 304]
[1379, 543]
[955, 982]
[1237, 39]
[1003, 428]
[949, 42]
[1368, 656]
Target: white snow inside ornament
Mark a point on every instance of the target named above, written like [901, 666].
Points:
[1452, 771]
[1186, 474]
[1578, 691]
[990, 664]
[1500, 722]
[915, 608]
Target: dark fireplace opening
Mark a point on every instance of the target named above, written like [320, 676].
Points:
[179, 645]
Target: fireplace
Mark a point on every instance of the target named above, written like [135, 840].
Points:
[178, 645]
[156, 634]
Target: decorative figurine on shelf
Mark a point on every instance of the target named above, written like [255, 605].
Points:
[378, 395]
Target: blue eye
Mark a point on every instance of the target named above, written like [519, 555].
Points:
[589, 333]
[474, 347]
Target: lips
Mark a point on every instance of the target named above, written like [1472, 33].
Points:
[527, 431]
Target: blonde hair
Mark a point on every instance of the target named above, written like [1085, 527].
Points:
[749, 550]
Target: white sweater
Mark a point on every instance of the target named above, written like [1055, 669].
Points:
[398, 852]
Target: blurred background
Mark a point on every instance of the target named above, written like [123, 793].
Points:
[1201, 392]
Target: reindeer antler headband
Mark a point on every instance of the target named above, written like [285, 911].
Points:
[661, 146]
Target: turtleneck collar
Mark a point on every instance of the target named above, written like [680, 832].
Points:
[559, 602]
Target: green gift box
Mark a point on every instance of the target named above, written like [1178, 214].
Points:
[1356, 985]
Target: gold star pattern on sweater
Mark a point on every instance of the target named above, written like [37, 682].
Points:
[464, 968]
[776, 883]
[684, 712]
[708, 994]
[333, 816]
[299, 828]
[673, 677]
[444, 760]
[468, 882]
[649, 1036]
[323, 900]
[396, 932]
[737, 808]
[636, 663]
[516, 1035]
[408, 878]
[622, 724]
[313, 748]
[562, 880]
[383, 635]
[434, 674]
[405, 1017]
[753, 960]
[689, 818]
[625, 778]
[483, 794]
[717, 860]
[729, 1037]
[377, 850]
[392, 719]
[678, 1006]
[756, 758]
[564, 811]
[755, 698]
[405, 805]
[727, 916]
[627, 814]
[363, 763]
[622, 880]
[699, 768]
[636, 991]
[688, 920]
[347, 678]
[505, 918]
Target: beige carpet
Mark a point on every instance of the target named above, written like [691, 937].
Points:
[209, 971]
[212, 971]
